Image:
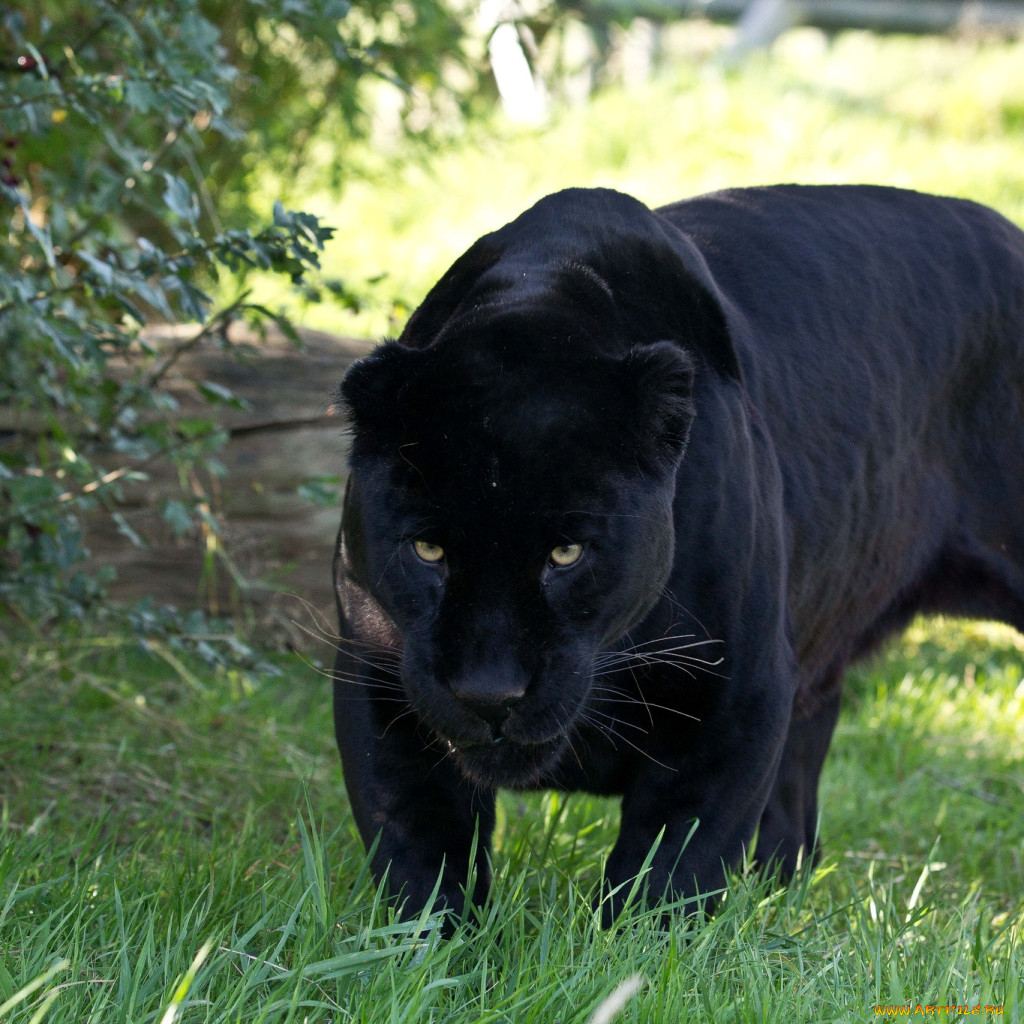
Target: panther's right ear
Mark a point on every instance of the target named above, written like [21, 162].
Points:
[371, 390]
[658, 380]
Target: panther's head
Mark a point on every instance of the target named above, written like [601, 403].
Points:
[510, 512]
[510, 506]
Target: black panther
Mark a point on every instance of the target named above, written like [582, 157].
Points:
[634, 487]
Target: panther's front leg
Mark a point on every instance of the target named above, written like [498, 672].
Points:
[700, 802]
[410, 800]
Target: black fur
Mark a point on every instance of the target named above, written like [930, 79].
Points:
[778, 422]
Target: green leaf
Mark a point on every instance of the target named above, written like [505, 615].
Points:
[194, 427]
[178, 517]
[43, 236]
[141, 96]
[217, 394]
[125, 530]
[101, 268]
[180, 199]
[324, 491]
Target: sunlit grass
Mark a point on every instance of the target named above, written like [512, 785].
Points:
[938, 115]
[189, 856]
[939, 723]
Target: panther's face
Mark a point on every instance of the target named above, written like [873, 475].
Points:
[503, 600]
[511, 520]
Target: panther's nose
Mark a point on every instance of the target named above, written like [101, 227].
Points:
[488, 698]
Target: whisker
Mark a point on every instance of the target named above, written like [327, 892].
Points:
[397, 718]
[661, 651]
[612, 735]
[381, 658]
[352, 679]
[611, 718]
[387, 668]
[663, 654]
[386, 655]
[382, 700]
[626, 698]
[677, 636]
[616, 661]
[568, 739]
[323, 625]
[640, 659]
[370, 684]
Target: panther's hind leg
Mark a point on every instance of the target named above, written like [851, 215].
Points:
[789, 821]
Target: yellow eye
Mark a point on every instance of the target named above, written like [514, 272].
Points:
[565, 554]
[432, 553]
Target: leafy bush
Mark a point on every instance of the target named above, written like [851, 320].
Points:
[123, 127]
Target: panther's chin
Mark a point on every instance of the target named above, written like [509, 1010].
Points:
[506, 764]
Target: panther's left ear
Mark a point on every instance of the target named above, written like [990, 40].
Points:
[371, 392]
[659, 379]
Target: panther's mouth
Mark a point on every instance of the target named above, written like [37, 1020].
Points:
[505, 763]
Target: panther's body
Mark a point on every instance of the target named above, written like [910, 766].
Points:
[633, 488]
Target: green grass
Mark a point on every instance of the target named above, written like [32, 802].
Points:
[178, 837]
[933, 114]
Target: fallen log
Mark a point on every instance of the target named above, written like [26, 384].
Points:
[271, 563]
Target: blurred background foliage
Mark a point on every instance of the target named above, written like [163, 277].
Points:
[303, 71]
[130, 134]
[323, 161]
[942, 114]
